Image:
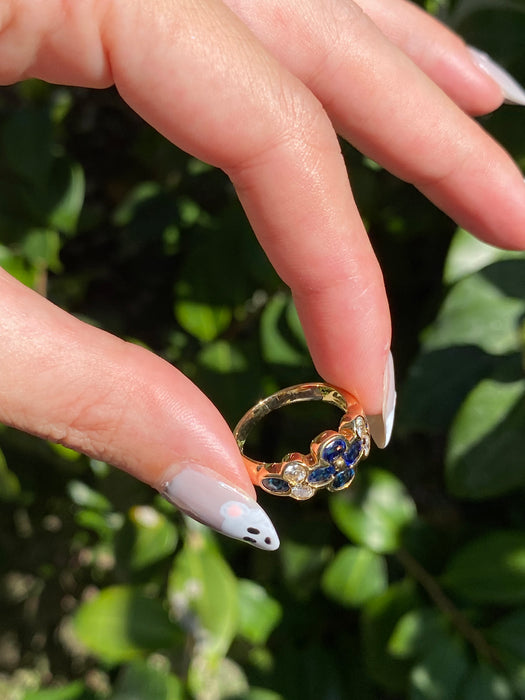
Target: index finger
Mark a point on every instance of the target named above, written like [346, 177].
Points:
[196, 73]
[389, 109]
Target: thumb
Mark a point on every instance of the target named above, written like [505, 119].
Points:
[68, 382]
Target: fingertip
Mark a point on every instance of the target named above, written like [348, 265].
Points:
[511, 91]
[382, 424]
[205, 496]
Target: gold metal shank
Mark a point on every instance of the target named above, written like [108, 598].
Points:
[300, 476]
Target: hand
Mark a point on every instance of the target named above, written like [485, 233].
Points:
[259, 90]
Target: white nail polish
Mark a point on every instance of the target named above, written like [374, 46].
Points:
[513, 92]
[381, 425]
[201, 494]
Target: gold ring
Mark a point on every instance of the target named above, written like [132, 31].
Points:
[334, 454]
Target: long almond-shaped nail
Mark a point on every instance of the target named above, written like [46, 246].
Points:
[200, 493]
[381, 425]
[512, 91]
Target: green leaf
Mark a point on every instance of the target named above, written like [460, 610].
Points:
[467, 254]
[355, 576]
[146, 538]
[509, 633]
[440, 674]
[295, 325]
[209, 285]
[41, 247]
[261, 694]
[281, 339]
[27, 140]
[66, 196]
[65, 452]
[204, 587]
[140, 681]
[489, 570]
[223, 679]
[121, 624]
[486, 448]
[437, 384]
[223, 357]
[230, 371]
[61, 104]
[203, 592]
[484, 309]
[9, 484]
[86, 497]
[72, 691]
[417, 632]
[302, 565]
[134, 201]
[483, 683]
[17, 266]
[104, 524]
[259, 613]
[376, 512]
[379, 619]
[203, 320]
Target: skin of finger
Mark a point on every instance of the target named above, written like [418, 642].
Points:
[70, 383]
[293, 184]
[438, 51]
[301, 34]
[416, 132]
[210, 87]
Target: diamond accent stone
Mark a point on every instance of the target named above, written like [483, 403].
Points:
[360, 426]
[295, 473]
[302, 492]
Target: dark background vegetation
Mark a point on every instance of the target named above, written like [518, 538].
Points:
[412, 585]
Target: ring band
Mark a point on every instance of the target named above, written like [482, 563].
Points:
[334, 455]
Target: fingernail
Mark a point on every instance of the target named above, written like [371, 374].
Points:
[513, 92]
[198, 492]
[381, 425]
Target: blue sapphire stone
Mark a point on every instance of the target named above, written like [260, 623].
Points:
[276, 485]
[321, 475]
[352, 454]
[334, 449]
[343, 479]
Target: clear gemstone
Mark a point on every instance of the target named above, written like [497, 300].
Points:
[302, 492]
[295, 473]
[360, 426]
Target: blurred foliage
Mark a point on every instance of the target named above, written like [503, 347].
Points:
[412, 585]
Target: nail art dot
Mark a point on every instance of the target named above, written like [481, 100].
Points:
[254, 530]
[268, 540]
[249, 539]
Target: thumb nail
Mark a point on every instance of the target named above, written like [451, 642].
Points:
[201, 494]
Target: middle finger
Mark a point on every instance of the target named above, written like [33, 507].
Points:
[388, 108]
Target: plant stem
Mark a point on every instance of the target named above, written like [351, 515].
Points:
[443, 602]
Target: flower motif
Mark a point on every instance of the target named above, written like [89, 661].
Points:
[330, 464]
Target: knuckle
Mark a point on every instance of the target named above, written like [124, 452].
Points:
[338, 32]
[297, 128]
[92, 425]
